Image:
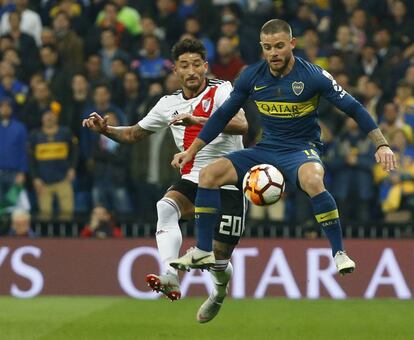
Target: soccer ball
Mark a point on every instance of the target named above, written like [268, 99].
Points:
[263, 184]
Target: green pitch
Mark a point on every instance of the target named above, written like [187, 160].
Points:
[76, 318]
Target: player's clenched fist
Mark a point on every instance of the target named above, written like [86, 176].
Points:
[180, 159]
[96, 123]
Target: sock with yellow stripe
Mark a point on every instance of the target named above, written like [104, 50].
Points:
[207, 206]
[326, 214]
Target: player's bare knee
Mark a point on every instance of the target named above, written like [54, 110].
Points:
[312, 183]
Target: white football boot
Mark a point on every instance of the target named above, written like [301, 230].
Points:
[210, 308]
[194, 259]
[167, 284]
[343, 263]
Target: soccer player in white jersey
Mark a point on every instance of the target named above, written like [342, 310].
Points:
[185, 112]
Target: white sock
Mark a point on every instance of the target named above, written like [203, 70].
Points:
[221, 274]
[168, 235]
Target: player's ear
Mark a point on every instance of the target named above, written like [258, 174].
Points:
[174, 68]
[293, 43]
[205, 67]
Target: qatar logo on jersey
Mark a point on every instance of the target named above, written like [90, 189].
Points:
[206, 104]
[297, 87]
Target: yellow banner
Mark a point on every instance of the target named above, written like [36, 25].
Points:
[51, 151]
[288, 110]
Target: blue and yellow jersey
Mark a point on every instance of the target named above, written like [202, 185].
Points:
[288, 105]
[52, 155]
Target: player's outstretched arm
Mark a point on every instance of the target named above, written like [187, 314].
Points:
[121, 134]
[182, 158]
[384, 154]
[237, 126]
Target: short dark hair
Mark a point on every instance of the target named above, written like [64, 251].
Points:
[276, 26]
[188, 46]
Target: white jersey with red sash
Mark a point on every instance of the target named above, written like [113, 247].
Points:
[204, 105]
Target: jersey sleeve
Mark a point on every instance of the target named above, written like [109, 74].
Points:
[222, 93]
[227, 110]
[156, 119]
[332, 91]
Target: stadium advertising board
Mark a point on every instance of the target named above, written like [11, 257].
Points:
[262, 268]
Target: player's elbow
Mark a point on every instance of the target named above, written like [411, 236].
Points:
[245, 127]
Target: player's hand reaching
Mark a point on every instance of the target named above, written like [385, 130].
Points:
[96, 123]
[386, 158]
[185, 119]
[182, 158]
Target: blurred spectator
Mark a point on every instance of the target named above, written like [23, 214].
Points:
[124, 39]
[373, 99]
[69, 45]
[13, 151]
[20, 224]
[400, 24]
[32, 113]
[110, 51]
[101, 225]
[336, 65]
[343, 45]
[80, 101]
[110, 172]
[393, 121]
[22, 70]
[53, 152]
[382, 41]
[358, 25]
[168, 20]
[311, 49]
[127, 15]
[74, 12]
[30, 21]
[151, 66]
[48, 36]
[397, 187]
[228, 64]
[11, 87]
[119, 67]
[243, 39]
[102, 104]
[304, 20]
[132, 97]
[56, 73]
[350, 161]
[93, 69]
[404, 97]
[193, 27]
[23, 42]
[367, 64]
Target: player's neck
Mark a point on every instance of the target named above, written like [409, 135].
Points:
[190, 93]
[286, 70]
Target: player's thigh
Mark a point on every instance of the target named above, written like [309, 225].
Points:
[243, 160]
[230, 225]
[217, 173]
[183, 193]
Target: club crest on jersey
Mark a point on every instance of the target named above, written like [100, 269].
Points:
[297, 87]
[205, 104]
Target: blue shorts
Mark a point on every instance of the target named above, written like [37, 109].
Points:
[287, 161]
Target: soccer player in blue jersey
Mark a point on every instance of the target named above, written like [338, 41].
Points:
[286, 90]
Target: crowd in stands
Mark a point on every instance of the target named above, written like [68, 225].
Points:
[60, 60]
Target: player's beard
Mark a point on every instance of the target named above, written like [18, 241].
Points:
[195, 85]
[281, 69]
